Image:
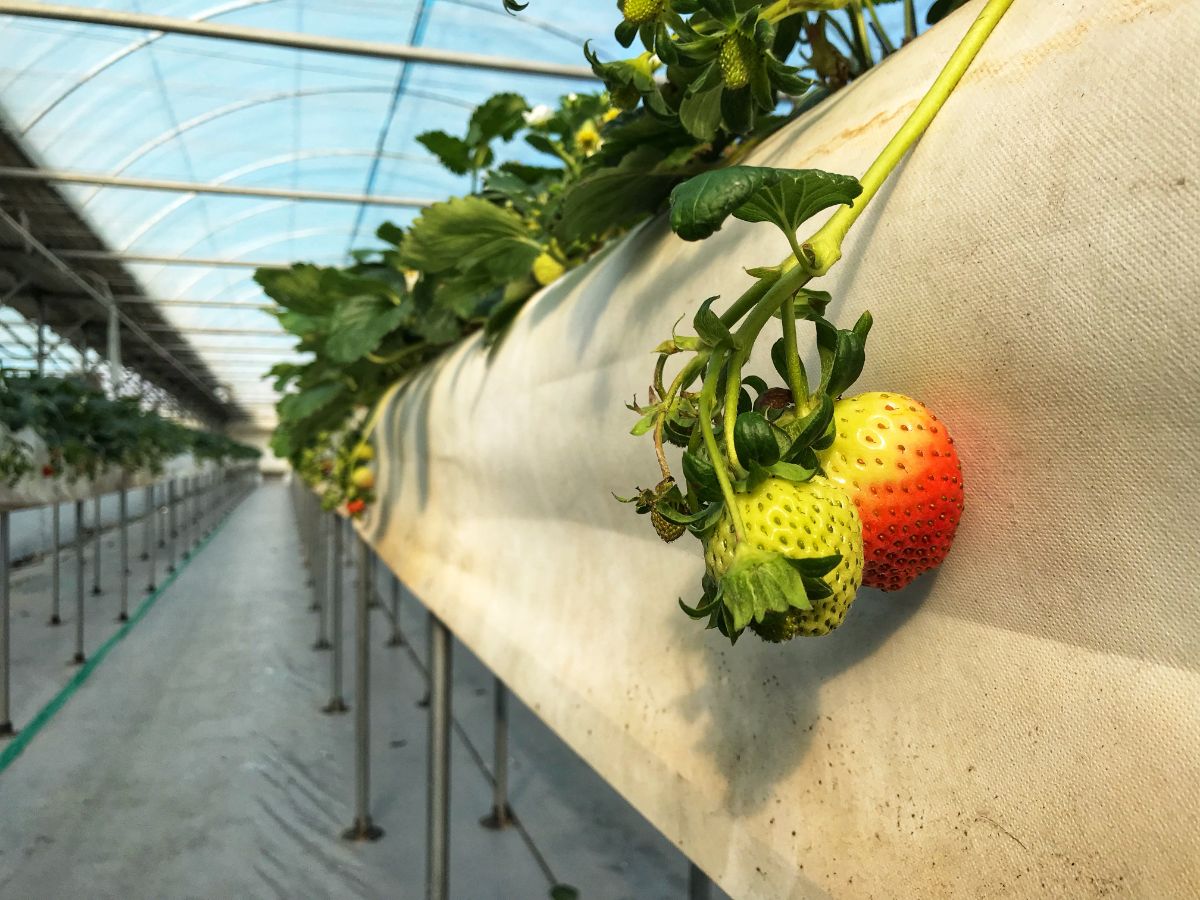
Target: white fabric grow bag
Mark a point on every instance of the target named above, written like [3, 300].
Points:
[1023, 722]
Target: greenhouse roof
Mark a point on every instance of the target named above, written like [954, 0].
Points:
[185, 160]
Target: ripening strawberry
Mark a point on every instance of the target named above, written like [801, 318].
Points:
[547, 269]
[356, 506]
[809, 519]
[898, 463]
[639, 12]
[363, 478]
[364, 453]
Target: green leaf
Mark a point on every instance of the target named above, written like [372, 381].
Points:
[700, 112]
[297, 288]
[796, 195]
[754, 440]
[358, 325]
[615, 197]
[306, 402]
[469, 232]
[786, 197]
[940, 9]
[391, 233]
[500, 116]
[453, 153]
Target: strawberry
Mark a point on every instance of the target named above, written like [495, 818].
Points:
[640, 12]
[48, 472]
[814, 519]
[363, 478]
[735, 58]
[356, 506]
[898, 463]
[547, 269]
[364, 453]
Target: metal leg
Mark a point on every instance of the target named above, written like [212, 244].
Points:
[98, 533]
[397, 638]
[501, 815]
[320, 567]
[123, 525]
[336, 703]
[438, 872]
[6, 726]
[699, 885]
[80, 575]
[147, 520]
[172, 531]
[55, 567]
[148, 533]
[363, 828]
[373, 581]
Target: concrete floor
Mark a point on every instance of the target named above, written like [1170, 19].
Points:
[194, 762]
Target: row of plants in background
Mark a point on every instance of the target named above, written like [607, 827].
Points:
[86, 432]
[708, 80]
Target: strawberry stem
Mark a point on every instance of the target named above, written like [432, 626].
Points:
[825, 247]
[797, 380]
[708, 401]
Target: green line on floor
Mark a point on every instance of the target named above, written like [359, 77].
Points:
[18, 744]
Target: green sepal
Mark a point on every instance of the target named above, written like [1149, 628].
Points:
[754, 439]
[815, 566]
[758, 582]
[817, 589]
[810, 427]
[701, 477]
[792, 472]
[703, 609]
[710, 328]
[644, 424]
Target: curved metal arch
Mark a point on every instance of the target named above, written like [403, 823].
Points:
[280, 159]
[157, 219]
[113, 59]
[250, 103]
[250, 247]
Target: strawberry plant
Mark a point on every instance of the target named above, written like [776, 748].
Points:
[87, 432]
[797, 495]
[709, 81]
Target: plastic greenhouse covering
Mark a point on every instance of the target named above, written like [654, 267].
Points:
[163, 106]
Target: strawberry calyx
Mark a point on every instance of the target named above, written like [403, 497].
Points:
[759, 582]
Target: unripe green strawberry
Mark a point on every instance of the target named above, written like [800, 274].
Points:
[898, 463]
[736, 56]
[639, 12]
[809, 519]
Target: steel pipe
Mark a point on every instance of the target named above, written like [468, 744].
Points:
[320, 560]
[80, 575]
[69, 176]
[295, 40]
[699, 884]
[501, 815]
[6, 726]
[172, 531]
[55, 566]
[363, 828]
[438, 841]
[97, 536]
[337, 703]
[148, 534]
[123, 526]
[397, 638]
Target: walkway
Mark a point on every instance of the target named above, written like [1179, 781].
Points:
[194, 762]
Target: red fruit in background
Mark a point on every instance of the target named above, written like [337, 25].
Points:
[354, 507]
[897, 461]
[48, 472]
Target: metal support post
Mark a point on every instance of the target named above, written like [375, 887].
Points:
[320, 568]
[55, 567]
[699, 884]
[501, 815]
[172, 531]
[438, 866]
[397, 638]
[148, 520]
[148, 535]
[123, 525]
[336, 703]
[373, 581]
[363, 828]
[80, 575]
[6, 726]
[97, 534]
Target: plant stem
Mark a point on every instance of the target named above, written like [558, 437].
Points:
[746, 302]
[708, 397]
[797, 380]
[862, 41]
[910, 21]
[825, 247]
[884, 41]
